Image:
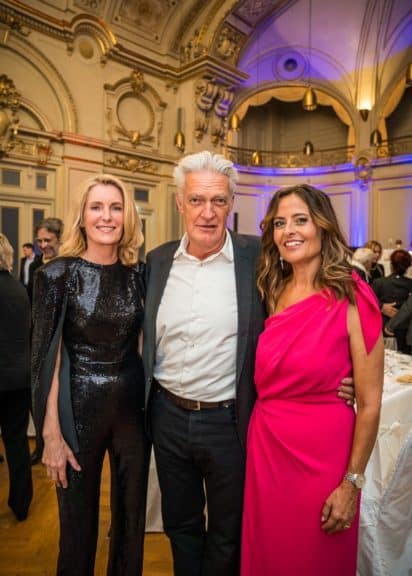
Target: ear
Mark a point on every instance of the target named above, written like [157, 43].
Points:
[179, 202]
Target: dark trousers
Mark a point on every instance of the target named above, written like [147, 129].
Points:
[79, 503]
[199, 460]
[14, 420]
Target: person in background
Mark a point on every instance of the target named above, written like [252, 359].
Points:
[306, 450]
[203, 316]
[393, 290]
[377, 270]
[29, 255]
[15, 382]
[402, 321]
[362, 261]
[48, 237]
[95, 404]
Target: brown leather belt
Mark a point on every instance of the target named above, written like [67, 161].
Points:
[188, 404]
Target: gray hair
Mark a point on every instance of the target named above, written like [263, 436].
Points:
[205, 161]
[6, 254]
[363, 255]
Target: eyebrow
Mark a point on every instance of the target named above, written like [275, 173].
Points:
[293, 215]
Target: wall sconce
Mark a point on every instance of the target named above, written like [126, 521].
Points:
[179, 139]
[234, 123]
[364, 114]
[376, 138]
[43, 153]
[308, 149]
[256, 158]
[409, 75]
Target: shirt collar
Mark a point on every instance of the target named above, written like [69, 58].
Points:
[226, 251]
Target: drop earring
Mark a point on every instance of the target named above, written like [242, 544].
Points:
[281, 262]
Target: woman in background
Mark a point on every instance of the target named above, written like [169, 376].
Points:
[306, 450]
[377, 270]
[15, 382]
[97, 404]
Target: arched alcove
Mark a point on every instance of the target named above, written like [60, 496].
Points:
[285, 126]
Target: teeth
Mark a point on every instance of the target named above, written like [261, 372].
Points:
[293, 243]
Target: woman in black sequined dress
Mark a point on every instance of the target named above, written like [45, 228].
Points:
[92, 399]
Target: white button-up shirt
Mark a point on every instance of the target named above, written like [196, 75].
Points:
[196, 326]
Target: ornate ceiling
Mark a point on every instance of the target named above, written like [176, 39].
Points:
[350, 50]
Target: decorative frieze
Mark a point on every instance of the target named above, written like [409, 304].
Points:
[130, 164]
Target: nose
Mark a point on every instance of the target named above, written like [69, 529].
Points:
[290, 227]
[106, 214]
[208, 210]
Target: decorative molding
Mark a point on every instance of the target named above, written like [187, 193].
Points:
[94, 6]
[130, 164]
[134, 88]
[229, 43]
[213, 104]
[9, 118]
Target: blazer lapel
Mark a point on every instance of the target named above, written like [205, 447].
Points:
[244, 278]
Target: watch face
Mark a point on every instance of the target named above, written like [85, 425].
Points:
[359, 480]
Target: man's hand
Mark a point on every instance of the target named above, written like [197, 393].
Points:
[347, 391]
[389, 309]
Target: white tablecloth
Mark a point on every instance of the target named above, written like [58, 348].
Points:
[385, 536]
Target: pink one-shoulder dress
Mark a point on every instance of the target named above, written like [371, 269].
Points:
[300, 438]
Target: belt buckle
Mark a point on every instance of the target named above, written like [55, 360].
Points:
[197, 406]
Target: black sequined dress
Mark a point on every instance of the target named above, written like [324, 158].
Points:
[102, 322]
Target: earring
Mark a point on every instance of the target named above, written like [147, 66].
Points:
[281, 262]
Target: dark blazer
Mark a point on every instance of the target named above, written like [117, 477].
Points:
[14, 334]
[403, 319]
[251, 315]
[393, 288]
[37, 262]
[21, 270]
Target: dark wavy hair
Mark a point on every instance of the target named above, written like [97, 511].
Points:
[400, 261]
[335, 271]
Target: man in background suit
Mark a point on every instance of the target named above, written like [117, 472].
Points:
[48, 237]
[29, 255]
[203, 316]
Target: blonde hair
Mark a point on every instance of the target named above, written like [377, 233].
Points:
[335, 271]
[74, 238]
[6, 254]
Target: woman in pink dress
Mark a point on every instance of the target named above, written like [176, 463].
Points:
[307, 450]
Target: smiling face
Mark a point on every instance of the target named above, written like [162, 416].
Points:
[48, 243]
[103, 216]
[205, 204]
[296, 236]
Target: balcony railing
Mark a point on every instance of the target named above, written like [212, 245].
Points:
[290, 159]
[326, 157]
[395, 147]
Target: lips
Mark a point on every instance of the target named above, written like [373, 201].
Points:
[105, 228]
[293, 243]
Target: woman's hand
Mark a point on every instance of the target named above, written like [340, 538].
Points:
[340, 508]
[56, 455]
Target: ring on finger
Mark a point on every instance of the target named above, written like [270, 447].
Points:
[346, 526]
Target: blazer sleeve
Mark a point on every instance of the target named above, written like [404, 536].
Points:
[400, 320]
[50, 282]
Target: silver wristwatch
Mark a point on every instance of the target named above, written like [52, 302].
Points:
[358, 480]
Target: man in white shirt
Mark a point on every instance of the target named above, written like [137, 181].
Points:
[28, 251]
[203, 316]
